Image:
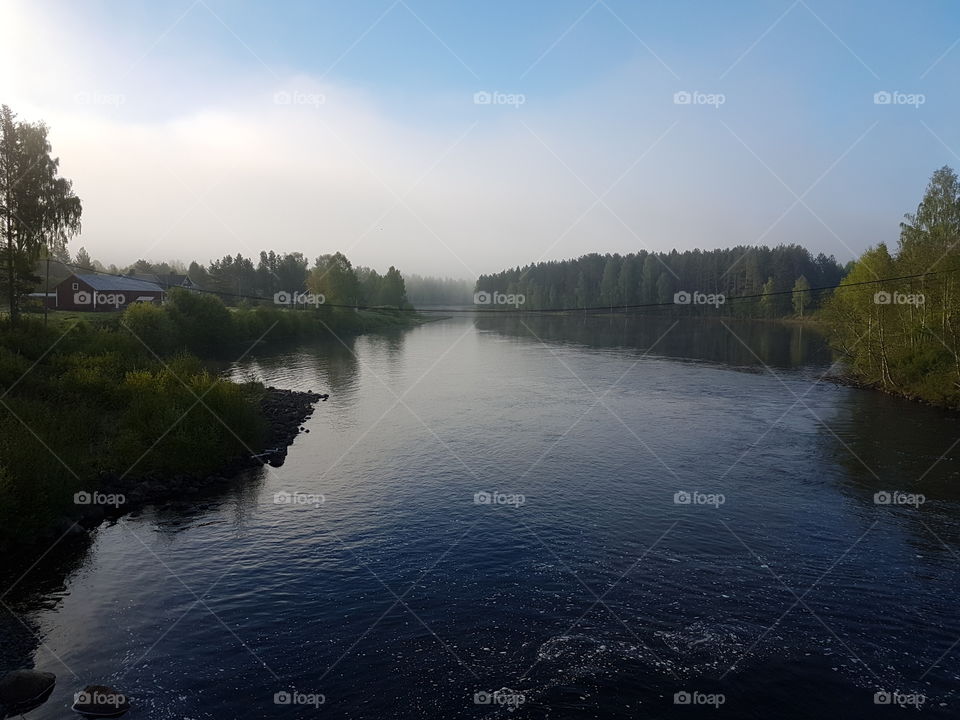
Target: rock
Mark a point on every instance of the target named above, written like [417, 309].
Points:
[100, 701]
[66, 526]
[93, 514]
[24, 690]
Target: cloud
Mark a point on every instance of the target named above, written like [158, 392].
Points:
[190, 157]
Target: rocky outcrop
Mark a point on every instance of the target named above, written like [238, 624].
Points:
[24, 690]
[285, 411]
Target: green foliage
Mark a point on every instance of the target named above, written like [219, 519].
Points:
[647, 278]
[801, 295]
[904, 336]
[202, 324]
[200, 320]
[38, 209]
[152, 325]
[95, 399]
[334, 278]
[392, 291]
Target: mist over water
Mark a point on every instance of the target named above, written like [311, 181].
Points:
[699, 515]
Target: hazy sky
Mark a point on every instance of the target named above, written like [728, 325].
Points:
[196, 128]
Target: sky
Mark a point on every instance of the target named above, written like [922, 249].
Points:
[460, 138]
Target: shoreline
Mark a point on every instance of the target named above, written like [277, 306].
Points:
[850, 381]
[284, 411]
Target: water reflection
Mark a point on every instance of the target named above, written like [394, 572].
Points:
[729, 341]
[33, 582]
[235, 501]
[887, 445]
[328, 365]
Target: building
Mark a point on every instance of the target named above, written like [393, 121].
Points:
[168, 280]
[104, 293]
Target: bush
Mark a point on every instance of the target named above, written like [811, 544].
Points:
[201, 321]
[152, 326]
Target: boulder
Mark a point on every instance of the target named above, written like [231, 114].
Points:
[100, 701]
[23, 690]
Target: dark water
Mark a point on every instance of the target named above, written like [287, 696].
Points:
[598, 597]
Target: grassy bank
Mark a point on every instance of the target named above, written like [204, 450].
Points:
[91, 396]
[87, 401]
[203, 325]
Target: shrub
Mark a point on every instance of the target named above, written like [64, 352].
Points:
[152, 326]
[201, 321]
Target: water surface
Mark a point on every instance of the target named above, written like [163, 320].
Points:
[600, 596]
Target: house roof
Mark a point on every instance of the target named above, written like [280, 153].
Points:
[174, 279]
[122, 282]
[165, 280]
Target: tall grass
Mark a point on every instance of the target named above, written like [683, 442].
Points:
[80, 402]
[202, 324]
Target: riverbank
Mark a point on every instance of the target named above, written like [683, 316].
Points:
[86, 407]
[204, 326]
[115, 495]
[284, 412]
[852, 381]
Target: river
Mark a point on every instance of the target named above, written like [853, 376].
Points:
[596, 517]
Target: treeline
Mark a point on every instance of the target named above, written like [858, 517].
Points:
[645, 278]
[903, 336]
[235, 276]
[423, 290]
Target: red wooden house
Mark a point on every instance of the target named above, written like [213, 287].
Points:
[104, 293]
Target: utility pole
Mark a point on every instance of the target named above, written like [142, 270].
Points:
[46, 292]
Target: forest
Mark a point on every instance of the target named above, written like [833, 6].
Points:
[896, 315]
[783, 275]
